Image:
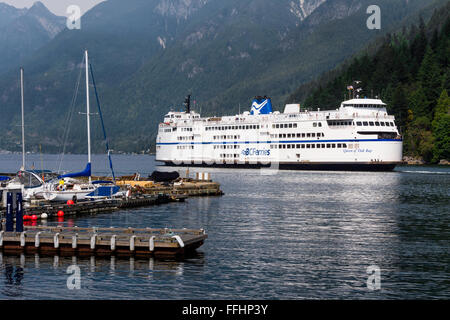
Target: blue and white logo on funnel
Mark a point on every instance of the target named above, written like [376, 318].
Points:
[261, 105]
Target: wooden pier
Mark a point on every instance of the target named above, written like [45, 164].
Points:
[69, 241]
[185, 186]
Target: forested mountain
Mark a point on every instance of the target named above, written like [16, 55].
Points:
[410, 72]
[23, 31]
[148, 54]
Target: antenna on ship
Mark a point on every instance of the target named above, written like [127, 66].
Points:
[187, 103]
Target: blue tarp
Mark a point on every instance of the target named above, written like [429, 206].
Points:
[104, 191]
[4, 178]
[85, 173]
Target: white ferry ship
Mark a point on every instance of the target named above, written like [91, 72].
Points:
[359, 135]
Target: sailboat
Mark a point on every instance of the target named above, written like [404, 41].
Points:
[66, 187]
[30, 182]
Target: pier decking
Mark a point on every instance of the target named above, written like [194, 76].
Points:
[102, 241]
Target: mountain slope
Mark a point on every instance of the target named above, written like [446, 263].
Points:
[148, 54]
[22, 31]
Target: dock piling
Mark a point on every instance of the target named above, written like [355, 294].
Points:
[37, 239]
[56, 240]
[22, 239]
[75, 241]
[19, 213]
[9, 212]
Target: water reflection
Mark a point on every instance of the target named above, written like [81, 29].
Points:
[295, 235]
[13, 272]
[14, 267]
[37, 261]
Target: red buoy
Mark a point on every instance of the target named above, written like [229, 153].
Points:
[34, 217]
[26, 217]
[60, 213]
[70, 202]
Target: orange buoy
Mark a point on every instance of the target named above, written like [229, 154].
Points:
[34, 217]
[70, 202]
[60, 213]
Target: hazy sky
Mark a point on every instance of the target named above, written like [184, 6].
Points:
[58, 7]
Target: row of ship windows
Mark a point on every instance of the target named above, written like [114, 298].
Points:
[241, 127]
[361, 123]
[281, 146]
[376, 123]
[309, 146]
[284, 125]
[223, 146]
[292, 125]
[184, 138]
[226, 137]
[281, 135]
[298, 135]
[229, 155]
[365, 105]
[184, 129]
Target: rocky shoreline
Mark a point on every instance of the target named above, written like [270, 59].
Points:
[415, 161]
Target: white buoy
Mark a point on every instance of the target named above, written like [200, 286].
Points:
[44, 216]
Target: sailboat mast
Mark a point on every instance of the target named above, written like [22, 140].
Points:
[88, 110]
[23, 126]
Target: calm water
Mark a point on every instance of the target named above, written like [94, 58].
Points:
[293, 235]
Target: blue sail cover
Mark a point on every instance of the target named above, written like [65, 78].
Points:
[104, 191]
[261, 106]
[85, 173]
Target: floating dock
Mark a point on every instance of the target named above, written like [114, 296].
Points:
[69, 241]
[48, 210]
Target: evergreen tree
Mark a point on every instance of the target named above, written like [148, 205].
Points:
[400, 106]
[419, 46]
[441, 128]
[429, 78]
[418, 102]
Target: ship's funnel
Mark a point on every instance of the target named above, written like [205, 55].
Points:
[261, 105]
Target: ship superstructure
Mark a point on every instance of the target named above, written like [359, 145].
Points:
[359, 135]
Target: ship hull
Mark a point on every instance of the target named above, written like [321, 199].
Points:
[296, 166]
